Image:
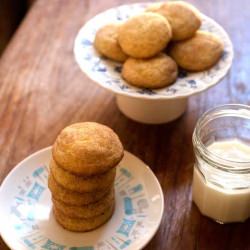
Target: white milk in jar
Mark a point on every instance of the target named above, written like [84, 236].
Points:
[221, 179]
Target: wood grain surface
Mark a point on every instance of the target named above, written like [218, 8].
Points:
[42, 90]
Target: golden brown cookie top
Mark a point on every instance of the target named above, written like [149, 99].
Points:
[106, 42]
[87, 148]
[144, 35]
[198, 53]
[184, 18]
[155, 72]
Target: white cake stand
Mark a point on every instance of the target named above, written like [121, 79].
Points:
[144, 105]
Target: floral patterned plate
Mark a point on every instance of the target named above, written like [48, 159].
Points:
[107, 73]
[27, 221]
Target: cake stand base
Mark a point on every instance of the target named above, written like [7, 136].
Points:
[151, 111]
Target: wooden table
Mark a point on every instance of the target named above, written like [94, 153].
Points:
[42, 90]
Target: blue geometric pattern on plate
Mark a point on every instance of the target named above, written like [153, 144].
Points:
[107, 73]
[33, 187]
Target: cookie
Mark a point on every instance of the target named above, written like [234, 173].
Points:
[144, 35]
[82, 225]
[184, 18]
[156, 72]
[87, 149]
[106, 43]
[154, 7]
[74, 198]
[86, 211]
[82, 184]
[197, 53]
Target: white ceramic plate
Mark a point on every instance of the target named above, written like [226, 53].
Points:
[106, 73]
[27, 221]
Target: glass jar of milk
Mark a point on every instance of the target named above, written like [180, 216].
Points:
[221, 179]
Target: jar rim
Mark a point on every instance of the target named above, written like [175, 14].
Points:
[227, 110]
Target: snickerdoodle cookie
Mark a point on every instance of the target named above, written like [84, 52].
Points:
[74, 198]
[106, 43]
[87, 149]
[80, 183]
[155, 72]
[197, 53]
[144, 35]
[86, 211]
[184, 18]
[82, 225]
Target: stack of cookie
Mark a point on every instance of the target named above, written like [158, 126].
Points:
[82, 174]
[155, 43]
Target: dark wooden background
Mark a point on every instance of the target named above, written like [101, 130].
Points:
[11, 14]
[42, 90]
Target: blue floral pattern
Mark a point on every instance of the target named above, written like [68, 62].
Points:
[107, 73]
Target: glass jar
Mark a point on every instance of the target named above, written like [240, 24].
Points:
[221, 179]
